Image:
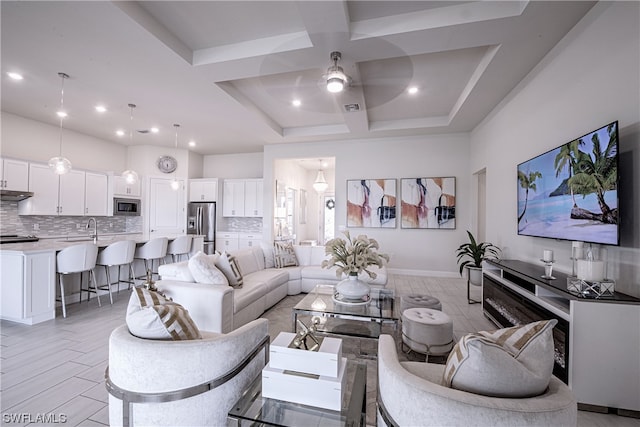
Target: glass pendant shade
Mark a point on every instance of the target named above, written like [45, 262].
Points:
[130, 176]
[60, 165]
[175, 184]
[320, 184]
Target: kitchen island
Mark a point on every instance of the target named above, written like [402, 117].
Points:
[28, 274]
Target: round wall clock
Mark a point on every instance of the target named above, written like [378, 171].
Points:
[167, 164]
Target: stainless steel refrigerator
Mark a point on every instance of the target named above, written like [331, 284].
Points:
[201, 220]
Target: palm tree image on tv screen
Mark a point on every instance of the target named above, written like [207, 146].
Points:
[571, 192]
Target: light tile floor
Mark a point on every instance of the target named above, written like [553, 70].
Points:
[57, 367]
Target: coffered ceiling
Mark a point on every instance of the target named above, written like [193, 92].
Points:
[228, 71]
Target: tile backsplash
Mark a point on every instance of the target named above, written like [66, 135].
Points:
[55, 226]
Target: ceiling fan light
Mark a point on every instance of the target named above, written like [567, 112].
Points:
[335, 84]
[320, 184]
[60, 165]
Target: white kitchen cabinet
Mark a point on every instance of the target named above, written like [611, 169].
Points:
[226, 241]
[43, 183]
[203, 190]
[76, 193]
[122, 188]
[27, 288]
[96, 194]
[243, 198]
[253, 197]
[71, 193]
[233, 198]
[14, 175]
[249, 240]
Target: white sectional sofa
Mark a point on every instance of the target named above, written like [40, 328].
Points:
[222, 308]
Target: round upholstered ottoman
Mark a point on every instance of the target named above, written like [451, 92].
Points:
[416, 300]
[427, 331]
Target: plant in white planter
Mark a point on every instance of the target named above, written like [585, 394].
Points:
[471, 255]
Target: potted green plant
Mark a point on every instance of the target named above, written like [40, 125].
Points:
[471, 255]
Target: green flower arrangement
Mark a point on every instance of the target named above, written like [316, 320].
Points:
[353, 256]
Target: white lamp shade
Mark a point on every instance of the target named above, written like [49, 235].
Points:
[175, 185]
[60, 165]
[130, 176]
[320, 185]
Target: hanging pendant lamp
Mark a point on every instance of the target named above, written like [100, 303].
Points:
[59, 164]
[175, 185]
[320, 184]
[130, 176]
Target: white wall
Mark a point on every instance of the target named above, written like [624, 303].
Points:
[589, 79]
[28, 139]
[233, 166]
[417, 251]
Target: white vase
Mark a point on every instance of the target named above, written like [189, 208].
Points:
[353, 289]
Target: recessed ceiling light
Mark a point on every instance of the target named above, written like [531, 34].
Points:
[15, 76]
[120, 132]
[296, 103]
[61, 114]
[192, 143]
[101, 108]
[154, 130]
[413, 90]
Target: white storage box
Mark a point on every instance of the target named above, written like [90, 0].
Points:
[313, 390]
[321, 362]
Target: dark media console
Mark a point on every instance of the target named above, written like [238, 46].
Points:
[597, 341]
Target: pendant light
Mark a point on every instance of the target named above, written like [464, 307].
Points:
[320, 184]
[61, 165]
[130, 176]
[175, 185]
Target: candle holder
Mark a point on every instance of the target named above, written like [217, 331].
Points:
[548, 269]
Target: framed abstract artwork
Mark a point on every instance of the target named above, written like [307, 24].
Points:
[371, 203]
[428, 202]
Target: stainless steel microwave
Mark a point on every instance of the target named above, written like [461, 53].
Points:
[129, 207]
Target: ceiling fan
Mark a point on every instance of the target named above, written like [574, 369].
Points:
[335, 78]
[380, 80]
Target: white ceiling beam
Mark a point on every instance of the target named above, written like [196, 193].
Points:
[253, 48]
[149, 23]
[437, 18]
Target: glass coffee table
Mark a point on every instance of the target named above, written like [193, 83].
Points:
[254, 409]
[363, 320]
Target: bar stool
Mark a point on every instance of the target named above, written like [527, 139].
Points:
[179, 246]
[77, 259]
[117, 254]
[154, 249]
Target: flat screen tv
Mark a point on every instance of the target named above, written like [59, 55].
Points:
[571, 192]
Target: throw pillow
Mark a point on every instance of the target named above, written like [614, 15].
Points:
[511, 362]
[284, 255]
[203, 269]
[229, 267]
[150, 315]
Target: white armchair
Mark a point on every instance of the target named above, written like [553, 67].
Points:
[190, 383]
[410, 393]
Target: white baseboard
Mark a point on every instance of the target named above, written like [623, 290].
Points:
[429, 273]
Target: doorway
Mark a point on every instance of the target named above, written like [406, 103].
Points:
[328, 215]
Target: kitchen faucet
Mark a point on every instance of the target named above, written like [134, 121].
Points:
[95, 229]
